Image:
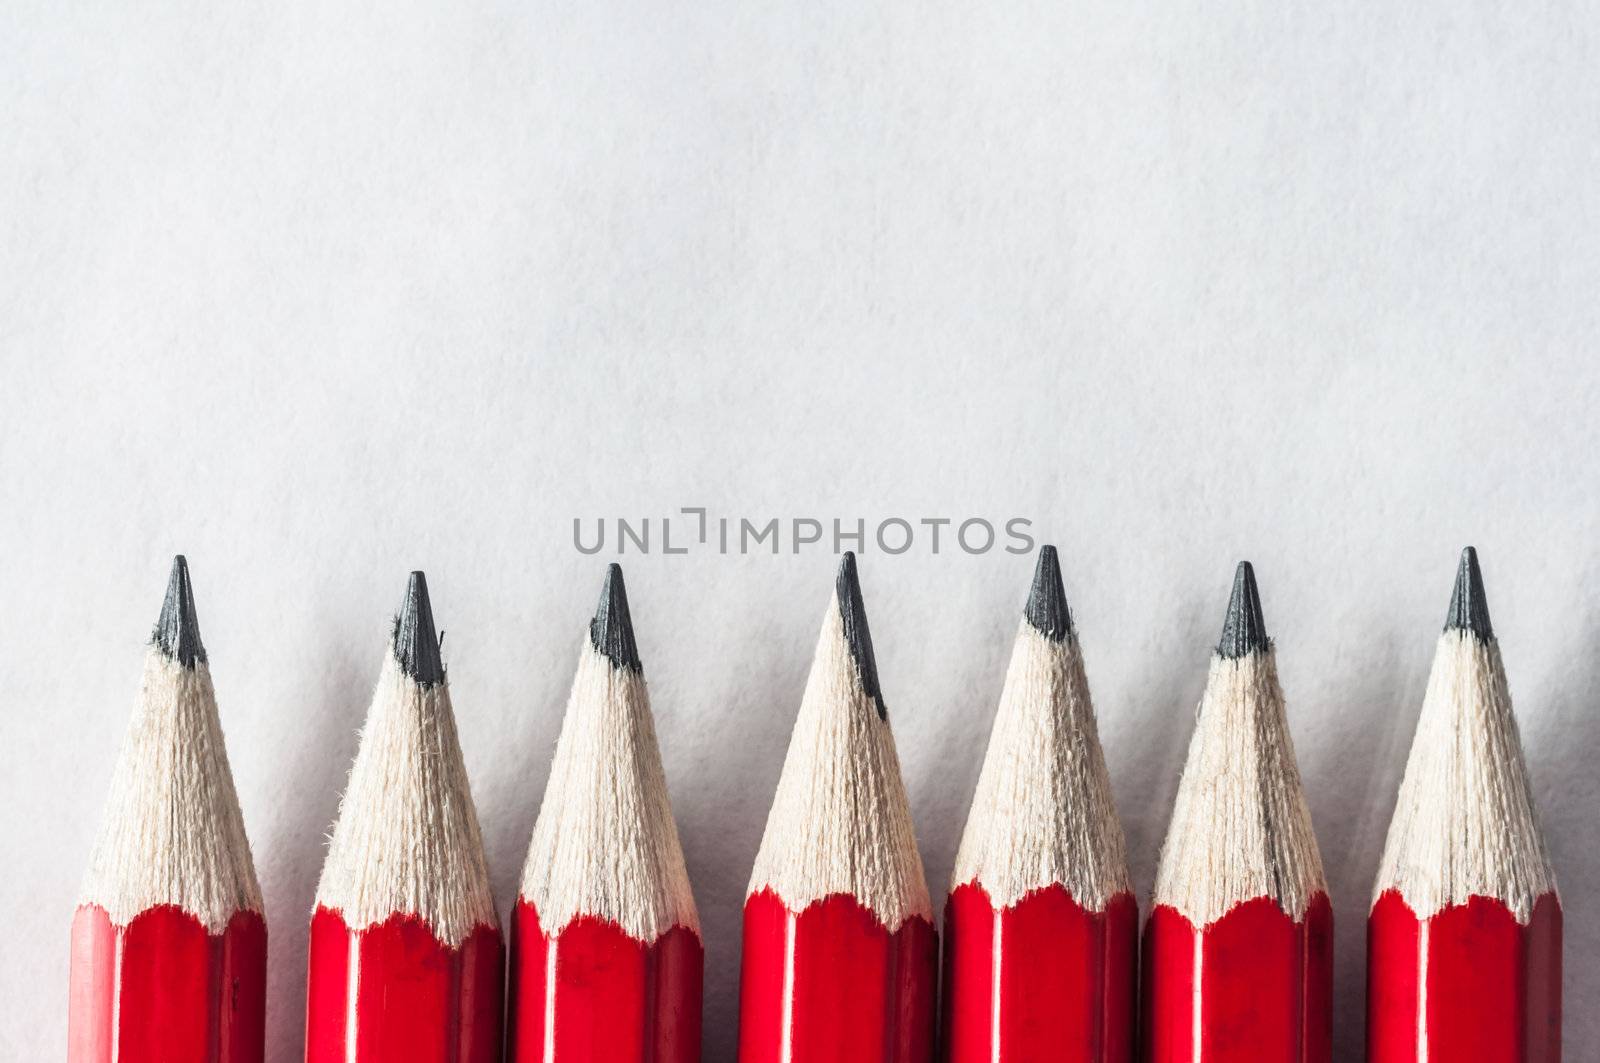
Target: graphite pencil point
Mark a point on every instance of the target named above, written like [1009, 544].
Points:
[854, 614]
[416, 644]
[611, 630]
[1245, 630]
[1047, 610]
[1469, 606]
[177, 633]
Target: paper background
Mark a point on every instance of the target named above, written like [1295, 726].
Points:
[318, 293]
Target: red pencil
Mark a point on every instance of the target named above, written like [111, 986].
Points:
[169, 949]
[1238, 950]
[405, 954]
[840, 952]
[1042, 930]
[606, 958]
[1464, 939]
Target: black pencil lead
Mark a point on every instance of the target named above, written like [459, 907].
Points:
[1245, 630]
[1469, 606]
[416, 646]
[854, 614]
[1047, 610]
[177, 632]
[611, 630]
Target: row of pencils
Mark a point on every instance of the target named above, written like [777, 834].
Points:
[1041, 955]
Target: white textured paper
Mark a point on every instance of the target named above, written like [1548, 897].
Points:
[318, 293]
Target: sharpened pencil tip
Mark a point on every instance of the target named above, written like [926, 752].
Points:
[416, 645]
[1047, 610]
[611, 630]
[177, 633]
[1245, 630]
[1469, 606]
[854, 614]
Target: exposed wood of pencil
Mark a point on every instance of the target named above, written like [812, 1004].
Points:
[168, 943]
[1238, 945]
[606, 956]
[839, 947]
[1041, 927]
[1464, 957]
[405, 954]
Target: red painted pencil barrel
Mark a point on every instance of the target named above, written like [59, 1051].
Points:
[593, 992]
[163, 990]
[831, 984]
[1468, 985]
[1041, 979]
[1256, 986]
[392, 993]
